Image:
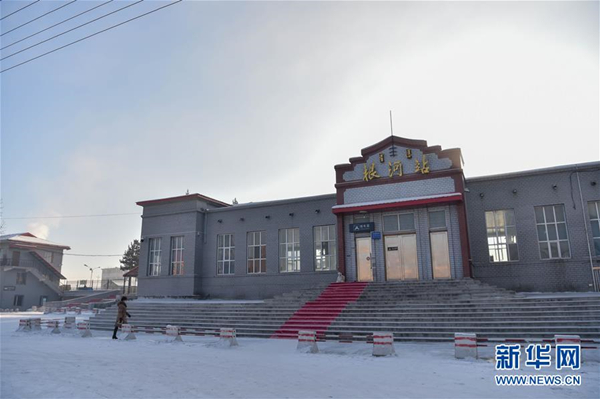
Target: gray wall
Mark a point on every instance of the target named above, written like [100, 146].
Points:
[273, 282]
[33, 288]
[533, 189]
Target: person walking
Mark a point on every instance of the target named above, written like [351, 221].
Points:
[122, 315]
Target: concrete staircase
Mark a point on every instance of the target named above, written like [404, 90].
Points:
[318, 315]
[419, 310]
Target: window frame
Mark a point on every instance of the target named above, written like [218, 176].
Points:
[284, 259]
[596, 204]
[442, 228]
[154, 254]
[496, 229]
[24, 281]
[555, 224]
[330, 258]
[176, 264]
[230, 250]
[20, 303]
[399, 230]
[250, 252]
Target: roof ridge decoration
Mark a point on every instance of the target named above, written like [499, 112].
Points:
[395, 157]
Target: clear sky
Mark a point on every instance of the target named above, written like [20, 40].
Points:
[259, 101]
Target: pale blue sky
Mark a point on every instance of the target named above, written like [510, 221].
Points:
[260, 100]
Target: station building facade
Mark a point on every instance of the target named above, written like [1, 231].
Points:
[402, 210]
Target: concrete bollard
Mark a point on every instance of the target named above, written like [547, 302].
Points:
[465, 345]
[227, 336]
[84, 329]
[36, 324]
[53, 324]
[69, 325]
[24, 325]
[383, 344]
[307, 342]
[173, 331]
[128, 329]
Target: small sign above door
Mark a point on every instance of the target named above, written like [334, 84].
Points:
[9, 288]
[362, 227]
[376, 235]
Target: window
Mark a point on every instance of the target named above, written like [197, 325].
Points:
[154, 258]
[43, 300]
[22, 278]
[289, 250]
[437, 219]
[502, 235]
[552, 232]
[401, 222]
[177, 255]
[18, 300]
[257, 252]
[325, 248]
[594, 211]
[225, 254]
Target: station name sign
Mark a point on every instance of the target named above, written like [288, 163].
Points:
[362, 227]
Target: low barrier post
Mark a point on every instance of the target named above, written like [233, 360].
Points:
[53, 324]
[84, 329]
[24, 325]
[307, 342]
[465, 345]
[173, 331]
[127, 329]
[36, 324]
[383, 344]
[69, 324]
[227, 336]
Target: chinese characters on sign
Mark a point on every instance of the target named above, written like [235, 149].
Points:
[538, 356]
[395, 168]
[422, 167]
[370, 173]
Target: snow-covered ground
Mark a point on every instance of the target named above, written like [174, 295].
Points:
[41, 365]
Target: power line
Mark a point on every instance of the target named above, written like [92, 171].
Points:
[72, 216]
[41, 16]
[71, 30]
[89, 36]
[55, 25]
[22, 8]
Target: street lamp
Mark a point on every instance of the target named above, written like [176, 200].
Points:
[91, 274]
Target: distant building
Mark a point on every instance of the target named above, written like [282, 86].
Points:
[29, 271]
[402, 210]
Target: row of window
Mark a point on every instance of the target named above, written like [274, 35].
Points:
[289, 251]
[256, 259]
[18, 300]
[176, 261]
[551, 225]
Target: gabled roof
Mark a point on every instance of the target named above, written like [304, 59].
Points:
[30, 240]
[184, 198]
[48, 265]
[132, 273]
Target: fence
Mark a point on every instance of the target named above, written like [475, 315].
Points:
[91, 285]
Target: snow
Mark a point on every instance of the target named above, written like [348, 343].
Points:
[549, 295]
[194, 301]
[41, 365]
[426, 197]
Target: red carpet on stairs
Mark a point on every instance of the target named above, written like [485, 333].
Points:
[318, 315]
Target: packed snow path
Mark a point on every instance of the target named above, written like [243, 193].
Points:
[40, 365]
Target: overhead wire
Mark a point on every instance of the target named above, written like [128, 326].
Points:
[71, 30]
[41, 16]
[55, 25]
[89, 36]
[20, 9]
